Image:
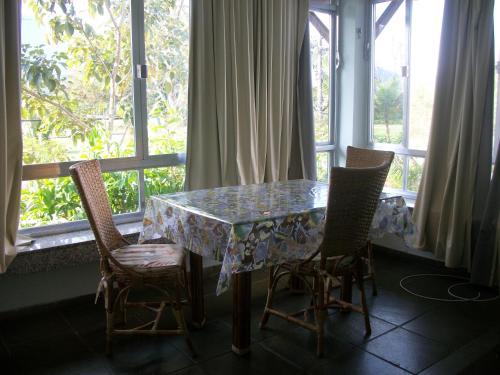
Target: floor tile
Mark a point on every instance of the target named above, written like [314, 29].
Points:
[85, 317]
[448, 325]
[356, 362]
[56, 355]
[212, 340]
[298, 346]
[144, 354]
[193, 370]
[350, 327]
[258, 361]
[396, 308]
[407, 349]
[31, 327]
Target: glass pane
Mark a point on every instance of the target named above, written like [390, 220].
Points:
[166, 37]
[427, 17]
[415, 169]
[76, 80]
[389, 58]
[164, 180]
[55, 200]
[322, 166]
[395, 176]
[319, 27]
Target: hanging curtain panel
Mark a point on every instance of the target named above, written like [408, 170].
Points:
[248, 101]
[10, 129]
[453, 191]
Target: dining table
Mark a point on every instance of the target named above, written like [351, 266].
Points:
[251, 227]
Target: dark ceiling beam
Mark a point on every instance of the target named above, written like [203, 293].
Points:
[320, 26]
[386, 16]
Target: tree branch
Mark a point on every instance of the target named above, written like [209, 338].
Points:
[58, 106]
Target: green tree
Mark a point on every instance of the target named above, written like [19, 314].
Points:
[77, 97]
[388, 103]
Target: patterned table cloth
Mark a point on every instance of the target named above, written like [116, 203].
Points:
[255, 226]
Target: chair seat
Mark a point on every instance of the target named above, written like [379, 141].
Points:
[150, 260]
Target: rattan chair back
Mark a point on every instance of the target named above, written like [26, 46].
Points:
[352, 200]
[88, 180]
[362, 157]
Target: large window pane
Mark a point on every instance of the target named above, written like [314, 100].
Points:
[389, 58]
[167, 55]
[164, 180]
[427, 16]
[76, 80]
[319, 27]
[55, 200]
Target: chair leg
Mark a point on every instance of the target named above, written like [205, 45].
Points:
[109, 331]
[109, 305]
[371, 266]
[320, 312]
[269, 299]
[360, 282]
[181, 321]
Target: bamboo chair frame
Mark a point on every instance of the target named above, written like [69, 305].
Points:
[363, 158]
[352, 201]
[118, 279]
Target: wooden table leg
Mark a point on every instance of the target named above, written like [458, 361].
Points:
[242, 296]
[198, 313]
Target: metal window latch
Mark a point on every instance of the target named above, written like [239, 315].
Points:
[141, 71]
[404, 71]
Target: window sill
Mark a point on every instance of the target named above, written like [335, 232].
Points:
[41, 243]
[48, 253]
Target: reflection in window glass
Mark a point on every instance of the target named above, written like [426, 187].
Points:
[395, 176]
[319, 28]
[166, 26]
[76, 80]
[426, 21]
[56, 200]
[322, 166]
[389, 57]
[415, 169]
[164, 180]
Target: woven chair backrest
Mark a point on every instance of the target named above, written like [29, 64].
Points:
[88, 180]
[352, 200]
[363, 158]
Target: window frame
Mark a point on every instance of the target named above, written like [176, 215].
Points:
[329, 146]
[142, 159]
[399, 149]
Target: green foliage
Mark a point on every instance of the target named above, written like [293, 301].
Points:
[388, 103]
[322, 166]
[77, 99]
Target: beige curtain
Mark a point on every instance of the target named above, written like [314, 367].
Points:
[456, 174]
[243, 90]
[10, 129]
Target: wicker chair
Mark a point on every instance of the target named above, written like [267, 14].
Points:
[363, 158]
[159, 267]
[352, 201]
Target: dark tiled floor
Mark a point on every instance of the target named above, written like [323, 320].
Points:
[409, 335]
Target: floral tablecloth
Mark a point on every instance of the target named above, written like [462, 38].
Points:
[254, 226]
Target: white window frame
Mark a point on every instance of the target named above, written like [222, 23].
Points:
[329, 145]
[142, 159]
[399, 149]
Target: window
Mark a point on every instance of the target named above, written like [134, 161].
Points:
[322, 34]
[106, 80]
[405, 50]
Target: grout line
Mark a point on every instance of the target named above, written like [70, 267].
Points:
[466, 355]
